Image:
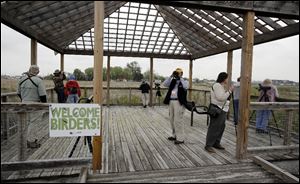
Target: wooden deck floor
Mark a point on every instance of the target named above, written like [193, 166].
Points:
[135, 139]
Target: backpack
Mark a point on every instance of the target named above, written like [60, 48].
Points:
[73, 90]
[58, 83]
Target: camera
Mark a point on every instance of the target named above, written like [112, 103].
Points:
[263, 88]
[176, 75]
[157, 83]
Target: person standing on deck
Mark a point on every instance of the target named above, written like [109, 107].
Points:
[145, 87]
[221, 98]
[32, 89]
[58, 80]
[72, 91]
[175, 97]
[267, 93]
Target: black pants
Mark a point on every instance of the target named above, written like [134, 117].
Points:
[215, 129]
[61, 95]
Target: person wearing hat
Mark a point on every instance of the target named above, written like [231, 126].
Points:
[58, 80]
[72, 91]
[268, 93]
[145, 87]
[32, 89]
[176, 97]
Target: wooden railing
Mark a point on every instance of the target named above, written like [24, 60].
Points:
[289, 107]
[86, 91]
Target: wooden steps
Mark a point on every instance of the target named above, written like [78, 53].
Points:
[242, 172]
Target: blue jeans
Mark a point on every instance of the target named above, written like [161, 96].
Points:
[72, 98]
[236, 111]
[262, 118]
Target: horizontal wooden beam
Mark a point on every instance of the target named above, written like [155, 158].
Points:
[287, 31]
[43, 164]
[256, 150]
[23, 107]
[15, 24]
[128, 54]
[282, 174]
[279, 9]
[274, 105]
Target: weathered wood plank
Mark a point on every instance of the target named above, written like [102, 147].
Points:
[144, 132]
[222, 173]
[255, 150]
[274, 105]
[37, 164]
[285, 176]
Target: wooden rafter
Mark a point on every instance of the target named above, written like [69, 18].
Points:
[202, 27]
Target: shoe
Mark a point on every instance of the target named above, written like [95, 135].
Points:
[172, 138]
[265, 131]
[178, 142]
[210, 149]
[218, 146]
[145, 106]
[259, 130]
[33, 144]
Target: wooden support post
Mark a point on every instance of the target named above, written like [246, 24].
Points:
[85, 92]
[246, 71]
[190, 80]
[6, 123]
[151, 81]
[97, 88]
[229, 72]
[108, 81]
[33, 52]
[130, 97]
[22, 132]
[288, 128]
[205, 98]
[62, 62]
[52, 95]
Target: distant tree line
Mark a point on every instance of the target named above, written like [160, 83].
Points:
[132, 72]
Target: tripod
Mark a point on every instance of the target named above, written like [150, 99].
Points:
[87, 139]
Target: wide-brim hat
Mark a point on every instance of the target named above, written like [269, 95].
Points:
[179, 70]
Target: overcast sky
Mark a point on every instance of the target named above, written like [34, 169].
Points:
[275, 60]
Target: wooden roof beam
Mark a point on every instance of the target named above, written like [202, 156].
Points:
[128, 54]
[176, 26]
[266, 37]
[15, 24]
[279, 9]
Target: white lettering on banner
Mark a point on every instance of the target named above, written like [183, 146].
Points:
[67, 120]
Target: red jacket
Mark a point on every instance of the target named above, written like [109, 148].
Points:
[72, 84]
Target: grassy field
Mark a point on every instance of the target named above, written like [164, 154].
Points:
[288, 92]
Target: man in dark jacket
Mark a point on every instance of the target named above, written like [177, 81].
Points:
[58, 79]
[176, 97]
[145, 87]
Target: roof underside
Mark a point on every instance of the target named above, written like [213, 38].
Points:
[174, 29]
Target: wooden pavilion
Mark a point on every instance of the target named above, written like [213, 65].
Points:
[185, 30]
